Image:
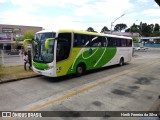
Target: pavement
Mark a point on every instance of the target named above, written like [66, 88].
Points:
[9, 78]
[11, 60]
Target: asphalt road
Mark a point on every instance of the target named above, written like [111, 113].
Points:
[132, 87]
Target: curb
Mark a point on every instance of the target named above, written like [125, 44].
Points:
[18, 79]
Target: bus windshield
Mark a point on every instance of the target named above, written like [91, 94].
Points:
[40, 54]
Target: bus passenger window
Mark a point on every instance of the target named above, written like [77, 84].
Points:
[123, 42]
[118, 42]
[104, 41]
[110, 42]
[81, 40]
[129, 43]
[77, 40]
[114, 43]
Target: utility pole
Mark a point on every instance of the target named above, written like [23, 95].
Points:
[115, 20]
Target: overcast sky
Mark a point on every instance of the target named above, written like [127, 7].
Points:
[78, 14]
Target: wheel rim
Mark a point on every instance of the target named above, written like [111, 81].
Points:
[80, 70]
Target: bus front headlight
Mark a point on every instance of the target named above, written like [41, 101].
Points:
[50, 67]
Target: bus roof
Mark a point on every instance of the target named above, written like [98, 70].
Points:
[84, 32]
[45, 31]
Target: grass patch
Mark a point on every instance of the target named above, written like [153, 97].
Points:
[1, 70]
[14, 72]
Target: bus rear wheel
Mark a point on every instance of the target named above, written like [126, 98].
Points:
[80, 70]
[121, 62]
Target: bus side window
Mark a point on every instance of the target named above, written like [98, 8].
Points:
[118, 42]
[114, 43]
[100, 41]
[104, 41]
[77, 40]
[63, 46]
[110, 42]
[87, 40]
[123, 42]
[96, 41]
[81, 40]
[129, 43]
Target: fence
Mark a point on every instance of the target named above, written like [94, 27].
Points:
[152, 45]
[137, 45]
[145, 45]
[11, 57]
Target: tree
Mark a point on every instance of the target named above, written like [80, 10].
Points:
[104, 29]
[155, 34]
[158, 2]
[135, 39]
[156, 27]
[156, 30]
[90, 29]
[152, 27]
[20, 38]
[29, 35]
[120, 27]
[128, 30]
[134, 28]
[146, 30]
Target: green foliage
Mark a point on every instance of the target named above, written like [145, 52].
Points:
[1, 69]
[120, 27]
[90, 29]
[20, 38]
[104, 29]
[155, 33]
[157, 27]
[134, 28]
[144, 29]
[29, 35]
[135, 39]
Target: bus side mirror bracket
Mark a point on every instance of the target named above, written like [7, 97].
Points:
[47, 42]
[26, 41]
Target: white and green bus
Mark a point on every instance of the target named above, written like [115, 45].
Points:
[63, 52]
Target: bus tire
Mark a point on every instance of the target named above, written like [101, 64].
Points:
[80, 69]
[121, 61]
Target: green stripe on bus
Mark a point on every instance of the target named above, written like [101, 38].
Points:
[94, 58]
[40, 66]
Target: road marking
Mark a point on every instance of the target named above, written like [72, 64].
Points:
[135, 69]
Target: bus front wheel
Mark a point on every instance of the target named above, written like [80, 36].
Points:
[80, 70]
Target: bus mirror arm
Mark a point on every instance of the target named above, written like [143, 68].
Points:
[47, 42]
[26, 41]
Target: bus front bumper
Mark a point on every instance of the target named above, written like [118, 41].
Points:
[47, 72]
